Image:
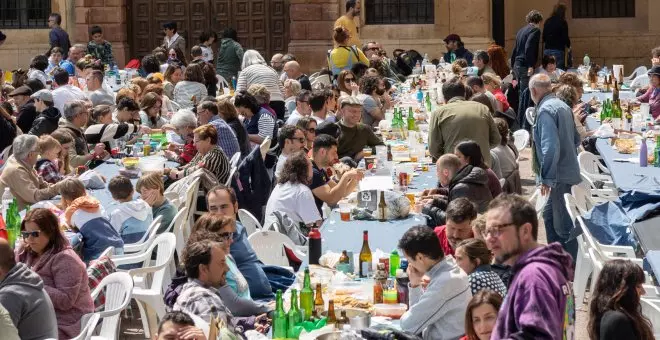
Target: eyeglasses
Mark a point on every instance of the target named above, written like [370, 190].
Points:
[497, 230]
[311, 130]
[226, 236]
[34, 234]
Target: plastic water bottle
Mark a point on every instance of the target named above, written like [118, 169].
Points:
[7, 198]
[643, 154]
[115, 69]
[420, 95]
[586, 61]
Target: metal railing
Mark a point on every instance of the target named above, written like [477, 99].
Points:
[17, 14]
[583, 9]
[399, 12]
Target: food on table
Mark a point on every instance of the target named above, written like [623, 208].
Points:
[394, 311]
[352, 302]
[625, 145]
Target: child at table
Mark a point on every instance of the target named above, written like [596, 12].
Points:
[152, 190]
[48, 166]
[131, 218]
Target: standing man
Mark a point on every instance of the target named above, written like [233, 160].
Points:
[459, 120]
[525, 53]
[348, 21]
[57, 36]
[172, 39]
[539, 303]
[555, 143]
[456, 50]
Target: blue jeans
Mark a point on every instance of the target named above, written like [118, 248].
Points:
[559, 57]
[558, 223]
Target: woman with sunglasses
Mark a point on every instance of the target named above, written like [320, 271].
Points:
[236, 293]
[308, 125]
[47, 252]
[347, 82]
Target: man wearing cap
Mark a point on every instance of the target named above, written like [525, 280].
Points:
[354, 136]
[456, 50]
[26, 110]
[49, 116]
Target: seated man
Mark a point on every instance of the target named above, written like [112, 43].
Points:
[437, 312]
[132, 217]
[355, 136]
[460, 214]
[22, 294]
[75, 117]
[178, 326]
[291, 139]
[468, 181]
[206, 269]
[222, 200]
[303, 109]
[324, 155]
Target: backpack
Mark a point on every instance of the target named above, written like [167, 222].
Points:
[349, 65]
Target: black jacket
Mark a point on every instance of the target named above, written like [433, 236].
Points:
[241, 135]
[27, 113]
[472, 183]
[436, 212]
[526, 51]
[252, 184]
[46, 122]
[8, 132]
[555, 34]
[461, 53]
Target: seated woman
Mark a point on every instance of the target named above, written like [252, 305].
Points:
[291, 89]
[227, 111]
[473, 256]
[615, 311]
[469, 152]
[209, 156]
[184, 122]
[47, 252]
[86, 215]
[503, 157]
[236, 293]
[190, 91]
[20, 177]
[493, 84]
[258, 122]
[292, 195]
[261, 94]
[150, 113]
[151, 188]
[347, 83]
[481, 315]
[549, 67]
[652, 95]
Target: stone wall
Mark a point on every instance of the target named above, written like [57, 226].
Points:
[311, 27]
[111, 15]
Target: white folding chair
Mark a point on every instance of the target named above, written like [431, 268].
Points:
[520, 139]
[591, 166]
[88, 323]
[269, 247]
[248, 220]
[146, 240]
[641, 81]
[151, 295]
[638, 71]
[118, 287]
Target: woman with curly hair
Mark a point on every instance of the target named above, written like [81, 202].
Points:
[291, 195]
[498, 60]
[615, 311]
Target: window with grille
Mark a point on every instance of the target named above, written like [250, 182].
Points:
[398, 12]
[583, 9]
[24, 13]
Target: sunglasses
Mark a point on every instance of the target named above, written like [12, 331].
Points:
[26, 234]
[348, 80]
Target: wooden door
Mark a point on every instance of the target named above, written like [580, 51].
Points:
[261, 24]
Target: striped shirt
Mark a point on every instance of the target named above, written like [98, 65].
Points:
[188, 93]
[214, 161]
[263, 75]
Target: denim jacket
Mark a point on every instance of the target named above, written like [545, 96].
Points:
[556, 141]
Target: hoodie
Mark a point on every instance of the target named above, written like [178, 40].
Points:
[539, 303]
[46, 122]
[230, 57]
[131, 220]
[86, 214]
[22, 294]
[472, 183]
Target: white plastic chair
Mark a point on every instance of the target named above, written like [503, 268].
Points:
[233, 161]
[222, 82]
[5, 154]
[637, 72]
[641, 81]
[118, 287]
[530, 114]
[651, 310]
[605, 194]
[191, 205]
[520, 139]
[321, 81]
[89, 321]
[591, 166]
[269, 247]
[248, 220]
[171, 195]
[583, 265]
[152, 296]
[176, 227]
[146, 240]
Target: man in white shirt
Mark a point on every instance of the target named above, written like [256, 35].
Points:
[320, 102]
[98, 95]
[64, 92]
[291, 139]
[303, 109]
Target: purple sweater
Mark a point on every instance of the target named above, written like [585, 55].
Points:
[539, 303]
[65, 280]
[652, 96]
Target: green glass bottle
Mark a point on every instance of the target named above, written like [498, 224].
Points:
[294, 317]
[307, 297]
[279, 318]
[656, 162]
[428, 102]
[394, 262]
[411, 120]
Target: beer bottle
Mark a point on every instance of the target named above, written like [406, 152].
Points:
[307, 297]
[279, 318]
[382, 206]
[332, 318]
[343, 319]
[389, 153]
[365, 256]
[294, 317]
[319, 304]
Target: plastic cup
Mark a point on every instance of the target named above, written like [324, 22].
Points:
[345, 212]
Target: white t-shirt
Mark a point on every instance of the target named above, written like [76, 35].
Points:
[65, 94]
[296, 200]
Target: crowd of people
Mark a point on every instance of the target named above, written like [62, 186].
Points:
[476, 269]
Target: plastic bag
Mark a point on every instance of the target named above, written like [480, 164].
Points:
[92, 180]
[605, 131]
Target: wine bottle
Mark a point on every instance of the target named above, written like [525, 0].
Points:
[365, 256]
[279, 318]
[307, 297]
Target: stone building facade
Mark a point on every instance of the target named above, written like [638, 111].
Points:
[310, 22]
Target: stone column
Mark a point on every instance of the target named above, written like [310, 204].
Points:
[112, 17]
